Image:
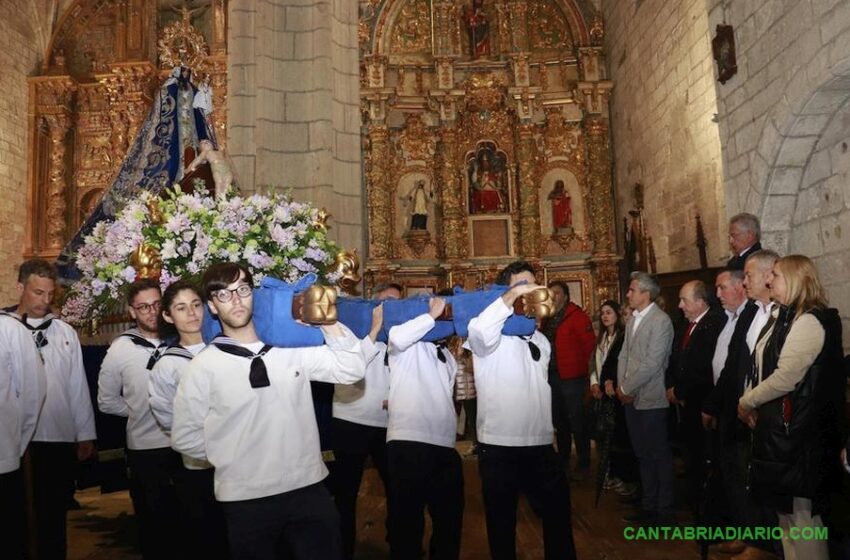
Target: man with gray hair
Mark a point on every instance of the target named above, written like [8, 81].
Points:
[690, 378]
[641, 388]
[744, 236]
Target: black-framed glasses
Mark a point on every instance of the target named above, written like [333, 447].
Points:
[225, 294]
[147, 307]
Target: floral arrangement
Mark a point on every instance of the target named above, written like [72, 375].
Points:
[180, 235]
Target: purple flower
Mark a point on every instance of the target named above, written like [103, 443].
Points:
[129, 274]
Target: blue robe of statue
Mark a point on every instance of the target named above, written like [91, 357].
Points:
[154, 160]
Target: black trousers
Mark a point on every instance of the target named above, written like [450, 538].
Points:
[624, 463]
[302, 524]
[203, 532]
[423, 475]
[537, 472]
[568, 417]
[54, 467]
[13, 513]
[155, 500]
[694, 439]
[352, 444]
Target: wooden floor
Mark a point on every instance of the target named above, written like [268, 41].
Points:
[104, 528]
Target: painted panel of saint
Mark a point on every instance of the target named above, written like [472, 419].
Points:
[488, 181]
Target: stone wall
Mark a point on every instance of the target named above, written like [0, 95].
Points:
[785, 129]
[20, 55]
[659, 57]
[293, 106]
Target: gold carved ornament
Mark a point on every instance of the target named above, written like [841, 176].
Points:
[181, 44]
[599, 171]
[412, 30]
[145, 258]
[347, 265]
[549, 28]
[417, 142]
[380, 203]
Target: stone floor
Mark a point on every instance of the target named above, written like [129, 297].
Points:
[104, 528]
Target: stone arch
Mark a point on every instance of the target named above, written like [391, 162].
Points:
[804, 205]
[791, 155]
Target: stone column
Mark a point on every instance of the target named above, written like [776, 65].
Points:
[293, 105]
[529, 218]
[56, 204]
[380, 195]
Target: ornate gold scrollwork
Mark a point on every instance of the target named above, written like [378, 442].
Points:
[180, 44]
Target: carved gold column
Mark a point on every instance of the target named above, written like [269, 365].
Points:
[601, 206]
[454, 235]
[380, 196]
[529, 214]
[599, 178]
[56, 205]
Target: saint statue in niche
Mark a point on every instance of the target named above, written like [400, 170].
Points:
[488, 184]
[419, 198]
[562, 212]
[479, 29]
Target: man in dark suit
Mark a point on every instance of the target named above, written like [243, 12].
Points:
[719, 411]
[744, 235]
[689, 376]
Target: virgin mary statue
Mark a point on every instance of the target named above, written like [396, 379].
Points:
[178, 120]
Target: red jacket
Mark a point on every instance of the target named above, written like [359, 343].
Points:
[574, 343]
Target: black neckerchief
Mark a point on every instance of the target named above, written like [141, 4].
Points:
[139, 340]
[178, 351]
[533, 348]
[37, 333]
[440, 346]
[259, 376]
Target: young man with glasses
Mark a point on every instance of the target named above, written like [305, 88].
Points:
[247, 408]
[123, 391]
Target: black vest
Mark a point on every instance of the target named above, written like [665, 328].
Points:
[797, 437]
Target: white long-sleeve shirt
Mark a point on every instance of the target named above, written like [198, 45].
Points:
[421, 401]
[363, 402]
[163, 382]
[162, 388]
[514, 398]
[262, 441]
[122, 390]
[23, 385]
[67, 414]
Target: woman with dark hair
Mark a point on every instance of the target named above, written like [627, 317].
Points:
[793, 402]
[603, 385]
[182, 312]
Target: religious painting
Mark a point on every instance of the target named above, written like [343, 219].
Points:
[723, 49]
[490, 236]
[487, 175]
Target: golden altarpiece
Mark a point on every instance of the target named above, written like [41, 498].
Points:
[104, 62]
[486, 139]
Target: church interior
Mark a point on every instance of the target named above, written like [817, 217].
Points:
[445, 139]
